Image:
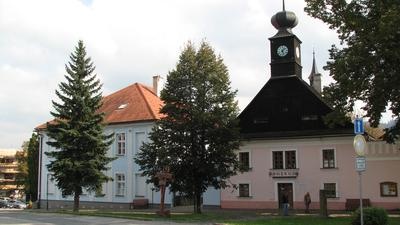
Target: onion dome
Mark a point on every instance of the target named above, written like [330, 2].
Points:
[284, 20]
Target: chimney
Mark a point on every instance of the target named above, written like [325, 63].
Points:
[156, 80]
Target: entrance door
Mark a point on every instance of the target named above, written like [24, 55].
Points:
[285, 189]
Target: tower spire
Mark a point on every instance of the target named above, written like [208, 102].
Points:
[315, 76]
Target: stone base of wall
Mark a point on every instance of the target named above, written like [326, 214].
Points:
[248, 205]
[63, 204]
[299, 205]
[68, 204]
[387, 205]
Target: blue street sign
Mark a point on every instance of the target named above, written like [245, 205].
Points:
[358, 126]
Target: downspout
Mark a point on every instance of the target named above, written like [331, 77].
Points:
[40, 169]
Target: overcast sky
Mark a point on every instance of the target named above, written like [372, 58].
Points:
[130, 41]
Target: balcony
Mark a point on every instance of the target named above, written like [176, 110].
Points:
[8, 165]
[283, 173]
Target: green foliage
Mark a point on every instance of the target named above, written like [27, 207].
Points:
[199, 133]
[334, 97]
[22, 160]
[372, 216]
[77, 133]
[366, 67]
[28, 162]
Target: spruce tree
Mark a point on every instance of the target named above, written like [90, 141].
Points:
[80, 160]
[197, 137]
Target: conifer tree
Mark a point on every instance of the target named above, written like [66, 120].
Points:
[197, 138]
[80, 160]
[28, 162]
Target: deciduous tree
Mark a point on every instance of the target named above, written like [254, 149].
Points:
[197, 137]
[366, 66]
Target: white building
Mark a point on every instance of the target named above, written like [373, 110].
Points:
[130, 114]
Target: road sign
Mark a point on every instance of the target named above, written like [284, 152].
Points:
[358, 126]
[360, 163]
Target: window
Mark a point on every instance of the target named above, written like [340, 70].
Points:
[121, 143]
[290, 157]
[284, 159]
[51, 186]
[331, 190]
[244, 160]
[388, 189]
[101, 192]
[120, 184]
[8, 176]
[277, 160]
[328, 158]
[244, 190]
[140, 186]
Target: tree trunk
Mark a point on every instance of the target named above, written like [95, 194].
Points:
[76, 202]
[197, 201]
[162, 199]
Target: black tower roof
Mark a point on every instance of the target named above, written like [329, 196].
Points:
[287, 107]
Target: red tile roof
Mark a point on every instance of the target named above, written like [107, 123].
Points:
[134, 103]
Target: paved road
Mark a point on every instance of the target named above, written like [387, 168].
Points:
[19, 217]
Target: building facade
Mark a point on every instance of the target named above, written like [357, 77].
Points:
[130, 114]
[8, 174]
[289, 150]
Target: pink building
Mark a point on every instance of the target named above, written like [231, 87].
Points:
[290, 151]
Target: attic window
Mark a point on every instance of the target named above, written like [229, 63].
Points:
[262, 120]
[122, 106]
[309, 117]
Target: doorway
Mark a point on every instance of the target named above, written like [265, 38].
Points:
[285, 189]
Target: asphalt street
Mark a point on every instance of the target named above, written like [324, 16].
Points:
[20, 217]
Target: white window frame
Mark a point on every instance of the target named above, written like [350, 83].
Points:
[117, 181]
[102, 192]
[336, 188]
[238, 190]
[244, 151]
[284, 158]
[120, 152]
[322, 158]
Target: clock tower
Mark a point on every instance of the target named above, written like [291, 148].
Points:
[285, 46]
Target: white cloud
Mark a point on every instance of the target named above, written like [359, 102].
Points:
[130, 41]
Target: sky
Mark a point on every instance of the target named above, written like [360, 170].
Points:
[130, 41]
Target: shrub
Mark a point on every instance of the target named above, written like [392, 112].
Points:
[372, 216]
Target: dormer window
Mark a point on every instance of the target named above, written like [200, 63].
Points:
[122, 106]
[261, 120]
[309, 118]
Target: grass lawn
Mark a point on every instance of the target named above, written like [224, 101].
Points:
[225, 217]
[304, 221]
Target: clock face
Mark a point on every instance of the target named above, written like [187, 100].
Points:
[297, 52]
[282, 50]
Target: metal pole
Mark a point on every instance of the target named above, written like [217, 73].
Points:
[361, 203]
[47, 193]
